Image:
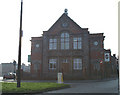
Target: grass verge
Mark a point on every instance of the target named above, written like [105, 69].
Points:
[31, 87]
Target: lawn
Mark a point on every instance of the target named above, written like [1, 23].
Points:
[31, 87]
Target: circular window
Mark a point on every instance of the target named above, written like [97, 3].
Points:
[37, 45]
[64, 24]
[95, 43]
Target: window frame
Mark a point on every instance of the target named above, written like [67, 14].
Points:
[53, 62]
[77, 64]
[65, 41]
[77, 43]
[52, 44]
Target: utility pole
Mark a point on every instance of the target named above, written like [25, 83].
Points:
[19, 51]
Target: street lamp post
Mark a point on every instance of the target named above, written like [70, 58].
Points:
[19, 51]
[14, 63]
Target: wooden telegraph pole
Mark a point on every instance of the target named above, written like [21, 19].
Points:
[19, 51]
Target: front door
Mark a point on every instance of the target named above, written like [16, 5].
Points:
[65, 68]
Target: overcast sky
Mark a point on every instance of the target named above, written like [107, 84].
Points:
[100, 16]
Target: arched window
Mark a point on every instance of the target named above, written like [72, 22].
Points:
[64, 41]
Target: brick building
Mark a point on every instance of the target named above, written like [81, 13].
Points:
[70, 49]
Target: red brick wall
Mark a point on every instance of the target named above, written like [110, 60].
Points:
[36, 54]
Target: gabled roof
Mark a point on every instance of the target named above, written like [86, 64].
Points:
[64, 16]
[72, 26]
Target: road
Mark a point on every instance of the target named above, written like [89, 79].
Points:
[110, 86]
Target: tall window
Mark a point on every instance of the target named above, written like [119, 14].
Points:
[36, 67]
[52, 63]
[77, 43]
[64, 41]
[77, 64]
[52, 44]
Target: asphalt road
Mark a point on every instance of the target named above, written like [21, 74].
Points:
[110, 86]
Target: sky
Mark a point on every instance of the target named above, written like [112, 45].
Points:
[100, 16]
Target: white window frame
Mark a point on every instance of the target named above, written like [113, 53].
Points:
[52, 62]
[65, 41]
[77, 64]
[77, 43]
[52, 44]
